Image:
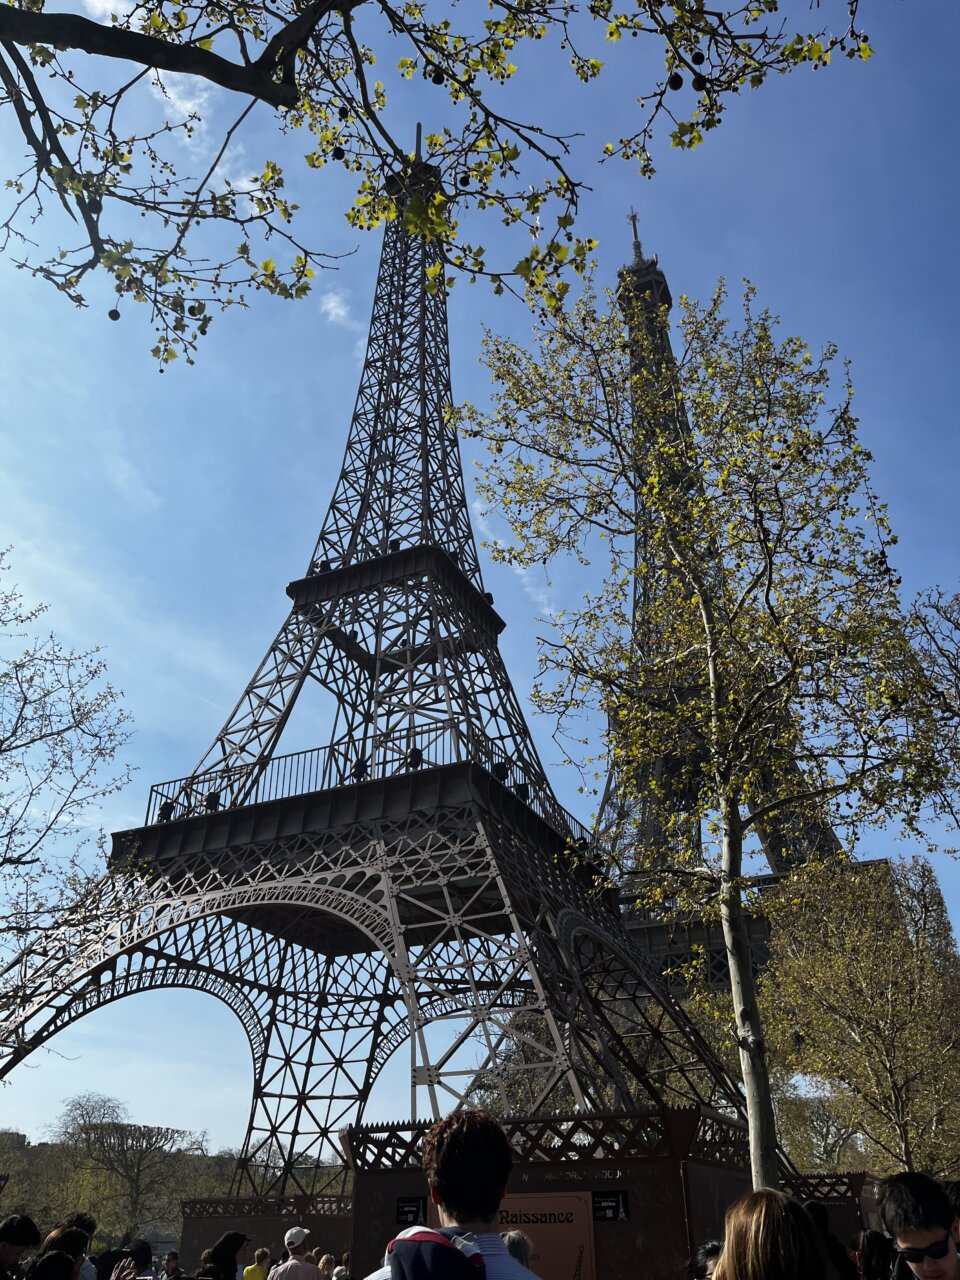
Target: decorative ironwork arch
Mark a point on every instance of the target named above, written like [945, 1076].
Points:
[90, 999]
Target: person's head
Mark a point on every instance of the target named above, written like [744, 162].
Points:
[171, 1261]
[467, 1160]
[225, 1254]
[770, 1236]
[84, 1221]
[17, 1233]
[704, 1262]
[917, 1213]
[69, 1240]
[820, 1215]
[206, 1255]
[142, 1255]
[327, 1264]
[875, 1255]
[55, 1264]
[261, 1257]
[295, 1241]
[952, 1191]
[518, 1246]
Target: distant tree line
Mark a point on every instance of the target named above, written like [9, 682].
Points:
[131, 1177]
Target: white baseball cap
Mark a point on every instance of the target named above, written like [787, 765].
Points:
[295, 1236]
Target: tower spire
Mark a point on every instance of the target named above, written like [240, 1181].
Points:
[627, 814]
[401, 482]
[637, 247]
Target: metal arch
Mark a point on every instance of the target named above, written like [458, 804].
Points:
[651, 1009]
[442, 1007]
[157, 912]
[89, 999]
[190, 910]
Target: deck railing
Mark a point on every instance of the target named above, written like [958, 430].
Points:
[342, 764]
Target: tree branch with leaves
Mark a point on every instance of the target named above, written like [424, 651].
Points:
[62, 731]
[101, 131]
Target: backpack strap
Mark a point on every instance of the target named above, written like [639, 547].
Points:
[466, 1244]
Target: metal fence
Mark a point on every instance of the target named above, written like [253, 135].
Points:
[391, 755]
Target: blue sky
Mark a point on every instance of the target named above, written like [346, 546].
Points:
[162, 516]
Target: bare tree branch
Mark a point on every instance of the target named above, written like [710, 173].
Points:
[71, 31]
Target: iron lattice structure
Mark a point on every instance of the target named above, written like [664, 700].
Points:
[413, 887]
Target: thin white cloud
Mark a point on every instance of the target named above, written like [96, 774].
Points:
[536, 588]
[186, 94]
[234, 168]
[335, 308]
[533, 581]
[161, 661]
[127, 479]
[186, 98]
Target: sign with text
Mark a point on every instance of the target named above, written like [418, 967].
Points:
[560, 1227]
[411, 1211]
[610, 1206]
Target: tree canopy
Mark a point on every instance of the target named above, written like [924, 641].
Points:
[746, 647]
[139, 1166]
[97, 103]
[860, 1002]
[130, 1176]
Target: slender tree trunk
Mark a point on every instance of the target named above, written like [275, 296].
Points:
[753, 1058]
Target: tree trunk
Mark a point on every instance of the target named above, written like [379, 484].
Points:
[753, 1058]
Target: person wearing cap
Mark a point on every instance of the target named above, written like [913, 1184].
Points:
[296, 1267]
[17, 1233]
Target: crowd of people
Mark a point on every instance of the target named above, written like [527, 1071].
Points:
[64, 1254]
[768, 1235]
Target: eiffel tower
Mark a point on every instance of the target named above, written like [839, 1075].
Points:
[627, 811]
[412, 886]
